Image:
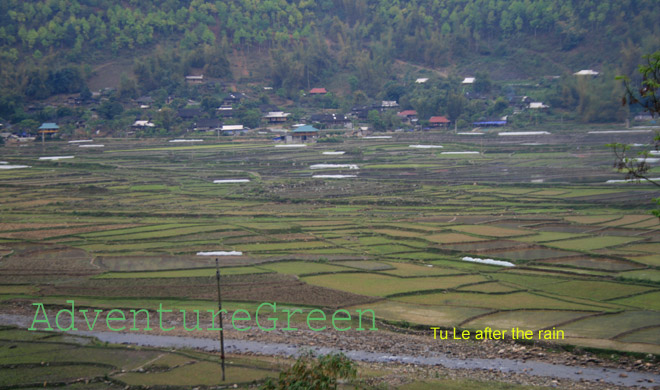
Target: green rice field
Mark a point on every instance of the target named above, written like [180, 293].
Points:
[123, 227]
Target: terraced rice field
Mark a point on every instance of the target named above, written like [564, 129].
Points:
[125, 225]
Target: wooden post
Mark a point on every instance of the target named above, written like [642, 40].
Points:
[222, 336]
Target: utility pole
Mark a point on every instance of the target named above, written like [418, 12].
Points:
[222, 336]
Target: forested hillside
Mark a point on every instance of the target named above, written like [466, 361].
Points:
[48, 47]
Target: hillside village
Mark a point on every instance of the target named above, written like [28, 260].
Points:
[213, 107]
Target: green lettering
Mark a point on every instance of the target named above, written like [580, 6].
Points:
[215, 315]
[234, 319]
[334, 315]
[40, 305]
[373, 319]
[274, 319]
[70, 312]
[135, 319]
[322, 318]
[97, 311]
[288, 318]
[196, 327]
[108, 319]
[160, 317]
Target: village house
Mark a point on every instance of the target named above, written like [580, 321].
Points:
[233, 98]
[189, 113]
[191, 79]
[491, 122]
[362, 112]
[277, 116]
[302, 134]
[439, 121]
[332, 120]
[233, 129]
[207, 125]
[226, 111]
[408, 115]
[468, 80]
[586, 72]
[141, 124]
[48, 128]
[144, 101]
[318, 91]
[388, 104]
[537, 105]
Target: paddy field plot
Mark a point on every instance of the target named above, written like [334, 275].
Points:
[514, 300]
[383, 285]
[125, 225]
[525, 319]
[610, 325]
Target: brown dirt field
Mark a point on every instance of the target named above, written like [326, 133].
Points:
[256, 288]
[34, 259]
[31, 226]
[48, 233]
[271, 238]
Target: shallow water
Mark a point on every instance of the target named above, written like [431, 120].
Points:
[558, 371]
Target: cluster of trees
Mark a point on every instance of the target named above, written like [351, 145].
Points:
[433, 24]
[305, 43]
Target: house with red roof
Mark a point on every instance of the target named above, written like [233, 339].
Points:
[408, 115]
[318, 91]
[439, 121]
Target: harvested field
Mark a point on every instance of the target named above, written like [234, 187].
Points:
[586, 244]
[615, 324]
[257, 288]
[484, 246]
[525, 319]
[647, 336]
[189, 273]
[595, 263]
[122, 228]
[302, 267]
[366, 265]
[529, 254]
[596, 290]
[407, 269]
[491, 231]
[50, 233]
[382, 285]
[650, 301]
[489, 288]
[449, 238]
[515, 300]
[425, 315]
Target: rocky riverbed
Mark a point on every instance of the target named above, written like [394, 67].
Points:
[405, 355]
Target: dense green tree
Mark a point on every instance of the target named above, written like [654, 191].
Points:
[109, 109]
[165, 118]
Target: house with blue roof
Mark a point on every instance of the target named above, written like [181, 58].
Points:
[48, 128]
[303, 133]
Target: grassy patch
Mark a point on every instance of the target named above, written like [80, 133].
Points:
[516, 300]
[198, 373]
[184, 273]
[301, 267]
[591, 243]
[525, 319]
[450, 238]
[650, 301]
[383, 285]
[424, 314]
[608, 326]
[491, 231]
